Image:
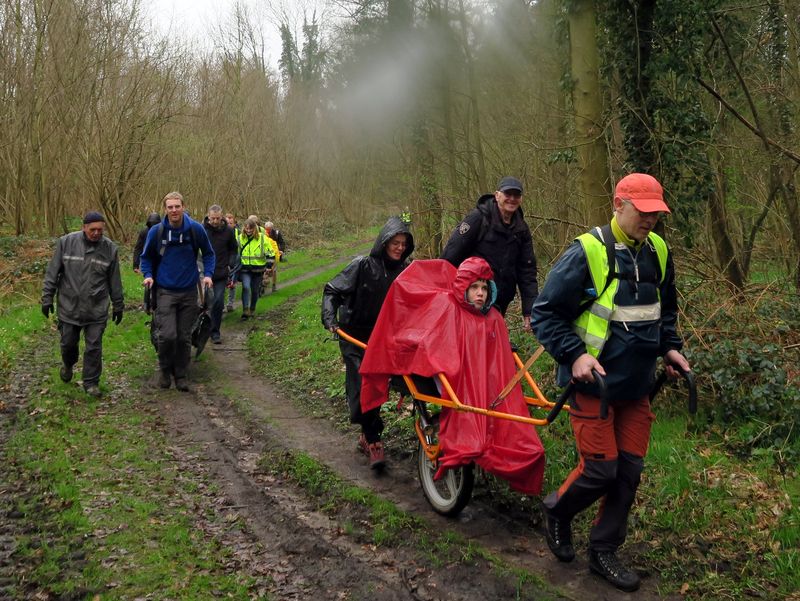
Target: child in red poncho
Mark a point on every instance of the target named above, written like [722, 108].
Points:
[439, 320]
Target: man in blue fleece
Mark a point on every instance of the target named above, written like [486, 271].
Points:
[169, 260]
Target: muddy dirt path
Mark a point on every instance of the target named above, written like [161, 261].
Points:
[305, 553]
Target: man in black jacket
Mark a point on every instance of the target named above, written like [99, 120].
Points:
[81, 277]
[152, 219]
[353, 300]
[497, 232]
[226, 251]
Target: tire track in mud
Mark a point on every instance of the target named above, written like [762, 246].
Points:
[299, 548]
[233, 447]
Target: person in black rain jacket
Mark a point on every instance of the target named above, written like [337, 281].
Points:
[352, 301]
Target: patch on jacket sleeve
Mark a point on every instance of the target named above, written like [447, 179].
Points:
[463, 228]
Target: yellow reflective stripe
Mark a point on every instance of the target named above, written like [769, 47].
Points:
[637, 313]
[600, 311]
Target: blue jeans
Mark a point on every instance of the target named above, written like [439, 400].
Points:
[251, 288]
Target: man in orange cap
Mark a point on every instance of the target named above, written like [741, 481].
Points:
[610, 306]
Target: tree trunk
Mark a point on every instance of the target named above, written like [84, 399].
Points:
[723, 245]
[588, 106]
[475, 117]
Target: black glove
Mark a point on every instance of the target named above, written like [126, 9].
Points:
[47, 310]
[116, 317]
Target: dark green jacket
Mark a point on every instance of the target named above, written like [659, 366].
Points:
[81, 276]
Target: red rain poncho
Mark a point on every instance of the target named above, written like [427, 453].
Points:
[426, 327]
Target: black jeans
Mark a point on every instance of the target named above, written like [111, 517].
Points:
[92, 353]
[175, 314]
[218, 307]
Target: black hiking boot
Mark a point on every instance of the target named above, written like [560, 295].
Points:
[559, 537]
[607, 565]
[65, 373]
[164, 379]
[182, 384]
[94, 391]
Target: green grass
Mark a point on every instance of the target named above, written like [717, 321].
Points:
[20, 327]
[706, 513]
[102, 483]
[303, 261]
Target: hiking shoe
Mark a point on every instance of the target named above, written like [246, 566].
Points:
[93, 390]
[229, 308]
[377, 459]
[559, 537]
[65, 373]
[182, 384]
[607, 565]
[165, 379]
[274, 288]
[216, 340]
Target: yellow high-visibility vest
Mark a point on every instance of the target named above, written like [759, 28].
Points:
[254, 251]
[593, 326]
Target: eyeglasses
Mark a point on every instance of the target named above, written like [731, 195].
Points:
[644, 214]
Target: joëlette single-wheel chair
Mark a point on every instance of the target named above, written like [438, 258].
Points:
[451, 492]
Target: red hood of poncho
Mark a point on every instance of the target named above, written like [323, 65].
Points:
[426, 327]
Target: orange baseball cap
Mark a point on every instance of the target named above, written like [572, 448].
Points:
[643, 192]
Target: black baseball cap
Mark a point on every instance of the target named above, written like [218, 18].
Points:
[509, 183]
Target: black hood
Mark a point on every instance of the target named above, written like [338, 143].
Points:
[390, 229]
[152, 219]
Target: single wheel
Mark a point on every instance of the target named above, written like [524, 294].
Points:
[449, 494]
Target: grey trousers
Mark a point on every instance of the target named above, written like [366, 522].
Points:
[92, 353]
[175, 315]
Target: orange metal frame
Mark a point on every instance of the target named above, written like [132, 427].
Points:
[452, 401]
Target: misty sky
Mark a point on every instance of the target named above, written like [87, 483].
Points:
[196, 19]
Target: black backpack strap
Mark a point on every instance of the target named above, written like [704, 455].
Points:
[606, 236]
[160, 237]
[162, 247]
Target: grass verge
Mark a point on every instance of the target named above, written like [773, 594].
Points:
[110, 513]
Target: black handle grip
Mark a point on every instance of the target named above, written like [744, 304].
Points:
[556, 409]
[601, 384]
[690, 384]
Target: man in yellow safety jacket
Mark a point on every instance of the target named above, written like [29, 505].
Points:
[610, 305]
